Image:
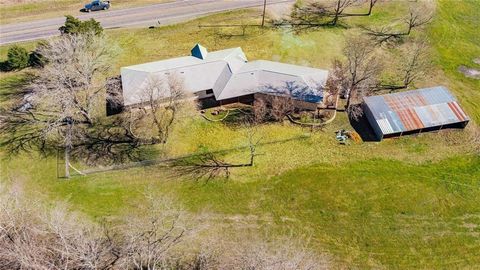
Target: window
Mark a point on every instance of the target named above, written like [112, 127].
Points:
[209, 92]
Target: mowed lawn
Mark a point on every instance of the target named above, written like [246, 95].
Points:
[454, 35]
[405, 203]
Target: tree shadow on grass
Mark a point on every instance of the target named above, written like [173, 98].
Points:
[4, 66]
[239, 116]
[13, 87]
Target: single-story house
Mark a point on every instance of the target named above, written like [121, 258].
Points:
[414, 111]
[226, 76]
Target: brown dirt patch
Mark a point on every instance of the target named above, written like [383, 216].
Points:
[469, 72]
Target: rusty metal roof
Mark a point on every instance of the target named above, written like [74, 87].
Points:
[414, 110]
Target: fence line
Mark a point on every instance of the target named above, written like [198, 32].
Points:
[153, 162]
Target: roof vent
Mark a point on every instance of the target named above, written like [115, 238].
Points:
[199, 51]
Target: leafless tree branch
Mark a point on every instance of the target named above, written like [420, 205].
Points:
[209, 166]
[317, 14]
[358, 77]
[417, 17]
[414, 64]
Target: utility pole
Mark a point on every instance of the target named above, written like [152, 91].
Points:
[264, 10]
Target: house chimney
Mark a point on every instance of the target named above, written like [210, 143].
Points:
[199, 51]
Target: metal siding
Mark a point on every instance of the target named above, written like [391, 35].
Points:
[415, 110]
[385, 126]
[377, 106]
[436, 95]
[457, 110]
[428, 119]
[395, 121]
[373, 122]
[448, 116]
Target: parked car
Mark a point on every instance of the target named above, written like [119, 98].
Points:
[97, 5]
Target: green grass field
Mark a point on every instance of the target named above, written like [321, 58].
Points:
[405, 203]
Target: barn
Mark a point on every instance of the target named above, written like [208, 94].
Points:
[414, 111]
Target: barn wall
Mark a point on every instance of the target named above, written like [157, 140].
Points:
[373, 123]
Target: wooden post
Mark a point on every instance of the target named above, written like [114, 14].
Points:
[314, 118]
[264, 10]
[67, 163]
[68, 144]
[56, 167]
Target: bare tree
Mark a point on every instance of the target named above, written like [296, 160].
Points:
[152, 233]
[252, 252]
[163, 101]
[62, 101]
[113, 88]
[417, 17]
[35, 237]
[274, 106]
[336, 82]
[64, 107]
[209, 165]
[316, 14]
[157, 235]
[362, 69]
[120, 137]
[413, 65]
[280, 107]
[416, 62]
[259, 110]
[371, 5]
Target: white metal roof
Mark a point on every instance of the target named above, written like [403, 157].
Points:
[274, 77]
[228, 73]
[278, 68]
[185, 61]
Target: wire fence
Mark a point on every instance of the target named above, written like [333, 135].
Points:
[162, 161]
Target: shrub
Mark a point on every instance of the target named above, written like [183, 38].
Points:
[36, 59]
[75, 26]
[17, 57]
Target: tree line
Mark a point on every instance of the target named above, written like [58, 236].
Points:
[157, 235]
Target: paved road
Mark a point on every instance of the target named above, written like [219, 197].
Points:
[140, 16]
